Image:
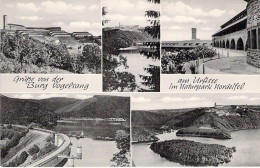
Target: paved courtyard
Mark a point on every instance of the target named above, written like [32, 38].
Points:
[234, 64]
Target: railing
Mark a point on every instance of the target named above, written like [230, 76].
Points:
[65, 137]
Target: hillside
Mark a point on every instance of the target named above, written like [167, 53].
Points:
[47, 111]
[115, 39]
[98, 106]
[25, 111]
[227, 118]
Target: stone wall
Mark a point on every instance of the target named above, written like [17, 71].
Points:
[253, 22]
[253, 13]
[253, 58]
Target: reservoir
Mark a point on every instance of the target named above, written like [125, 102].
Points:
[94, 152]
[137, 62]
[246, 143]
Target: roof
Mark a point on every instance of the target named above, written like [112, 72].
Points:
[232, 24]
[186, 43]
[235, 18]
[15, 24]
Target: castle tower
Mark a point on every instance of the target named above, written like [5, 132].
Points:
[194, 33]
[253, 32]
[4, 21]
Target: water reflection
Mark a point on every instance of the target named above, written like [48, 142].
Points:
[137, 63]
[95, 153]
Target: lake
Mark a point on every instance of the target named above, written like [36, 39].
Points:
[137, 63]
[246, 143]
[95, 153]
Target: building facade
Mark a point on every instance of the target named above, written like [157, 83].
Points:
[233, 34]
[253, 32]
[242, 33]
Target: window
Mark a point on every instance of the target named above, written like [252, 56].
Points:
[258, 38]
[254, 40]
[249, 39]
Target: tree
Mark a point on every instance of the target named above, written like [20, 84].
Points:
[112, 79]
[122, 158]
[152, 80]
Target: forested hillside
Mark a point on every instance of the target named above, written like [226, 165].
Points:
[25, 111]
[47, 111]
[228, 118]
[98, 106]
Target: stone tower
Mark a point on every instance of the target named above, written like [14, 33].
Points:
[4, 21]
[253, 32]
[194, 33]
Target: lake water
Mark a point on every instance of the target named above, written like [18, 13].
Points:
[95, 153]
[137, 63]
[246, 143]
[91, 128]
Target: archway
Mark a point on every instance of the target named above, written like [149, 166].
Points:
[223, 44]
[240, 44]
[233, 44]
[227, 44]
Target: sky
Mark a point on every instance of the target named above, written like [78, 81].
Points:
[71, 15]
[69, 95]
[179, 16]
[127, 12]
[155, 101]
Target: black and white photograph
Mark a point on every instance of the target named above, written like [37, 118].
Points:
[65, 130]
[50, 37]
[210, 37]
[131, 45]
[174, 130]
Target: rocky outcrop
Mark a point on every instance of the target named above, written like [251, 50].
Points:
[193, 153]
[207, 133]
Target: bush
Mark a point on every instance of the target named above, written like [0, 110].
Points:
[13, 142]
[174, 60]
[18, 160]
[49, 139]
[33, 150]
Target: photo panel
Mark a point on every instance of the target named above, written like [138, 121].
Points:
[65, 130]
[131, 45]
[210, 37]
[173, 130]
[51, 37]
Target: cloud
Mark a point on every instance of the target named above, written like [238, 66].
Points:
[31, 18]
[144, 6]
[28, 6]
[182, 9]
[232, 12]
[94, 7]
[118, 17]
[187, 19]
[139, 99]
[175, 28]
[45, 96]
[23, 96]
[179, 99]
[118, 6]
[237, 97]
[82, 96]
[254, 98]
[60, 7]
[61, 24]
[206, 28]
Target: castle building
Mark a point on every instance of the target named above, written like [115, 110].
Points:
[186, 44]
[242, 33]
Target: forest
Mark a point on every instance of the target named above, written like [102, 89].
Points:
[21, 54]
